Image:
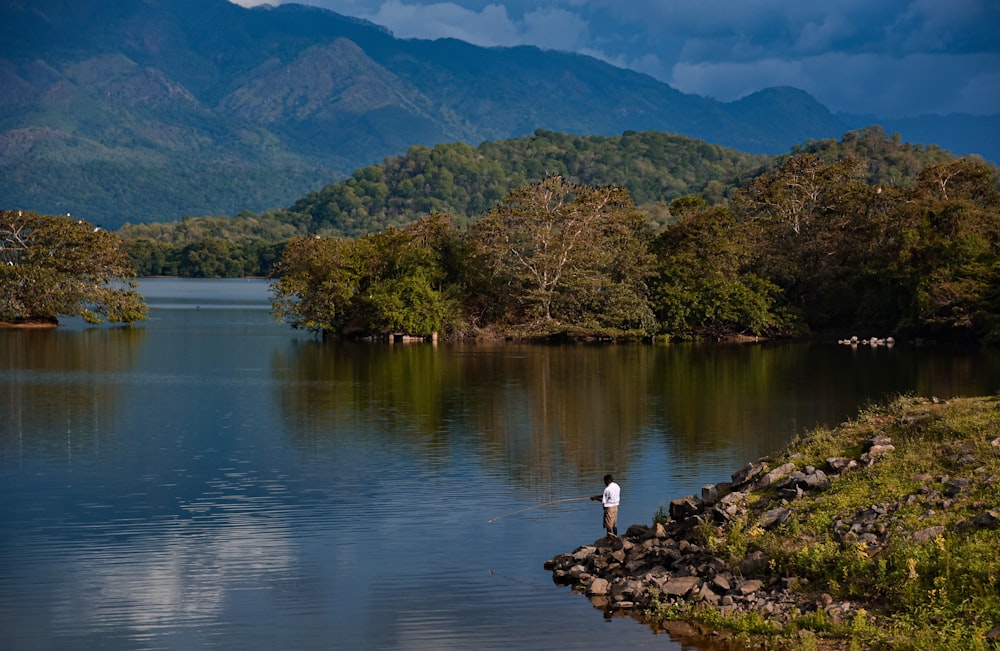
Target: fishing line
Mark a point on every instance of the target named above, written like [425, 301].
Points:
[537, 506]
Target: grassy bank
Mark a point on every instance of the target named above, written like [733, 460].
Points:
[912, 541]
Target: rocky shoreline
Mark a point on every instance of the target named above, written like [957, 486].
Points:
[668, 564]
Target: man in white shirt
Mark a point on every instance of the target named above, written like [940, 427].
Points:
[609, 500]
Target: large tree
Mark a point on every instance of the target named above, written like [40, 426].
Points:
[399, 281]
[557, 255]
[707, 288]
[53, 267]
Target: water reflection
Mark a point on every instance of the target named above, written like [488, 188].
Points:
[539, 410]
[62, 390]
[213, 480]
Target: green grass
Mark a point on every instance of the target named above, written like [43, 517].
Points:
[932, 592]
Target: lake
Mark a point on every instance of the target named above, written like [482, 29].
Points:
[212, 479]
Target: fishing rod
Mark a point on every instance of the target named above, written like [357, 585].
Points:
[537, 506]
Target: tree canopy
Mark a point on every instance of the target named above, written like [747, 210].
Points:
[53, 267]
[557, 254]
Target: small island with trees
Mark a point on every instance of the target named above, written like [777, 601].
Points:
[53, 267]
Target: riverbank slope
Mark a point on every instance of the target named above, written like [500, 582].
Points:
[882, 532]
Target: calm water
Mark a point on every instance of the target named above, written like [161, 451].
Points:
[214, 480]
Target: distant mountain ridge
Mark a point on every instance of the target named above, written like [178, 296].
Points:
[151, 110]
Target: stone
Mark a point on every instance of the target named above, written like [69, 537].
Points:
[987, 520]
[748, 472]
[773, 476]
[750, 587]
[774, 517]
[930, 533]
[956, 486]
[838, 464]
[599, 587]
[685, 507]
[681, 586]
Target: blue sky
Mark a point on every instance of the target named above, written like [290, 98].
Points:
[890, 58]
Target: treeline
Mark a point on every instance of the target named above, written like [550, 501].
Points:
[466, 182]
[210, 247]
[811, 245]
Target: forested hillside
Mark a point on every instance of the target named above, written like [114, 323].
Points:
[117, 110]
[465, 182]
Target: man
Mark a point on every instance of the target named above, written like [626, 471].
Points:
[609, 500]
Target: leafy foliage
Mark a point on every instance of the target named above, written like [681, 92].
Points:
[916, 260]
[59, 266]
[391, 282]
[706, 286]
[868, 232]
[466, 182]
[559, 253]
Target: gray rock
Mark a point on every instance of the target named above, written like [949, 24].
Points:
[987, 520]
[930, 533]
[682, 586]
[748, 472]
[774, 517]
[773, 476]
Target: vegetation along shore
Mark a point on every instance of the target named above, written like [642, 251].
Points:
[879, 533]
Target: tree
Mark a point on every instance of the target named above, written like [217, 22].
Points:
[706, 288]
[947, 253]
[556, 254]
[53, 267]
[398, 281]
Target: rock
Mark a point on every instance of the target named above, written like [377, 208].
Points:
[773, 476]
[722, 583]
[957, 485]
[839, 465]
[751, 586]
[685, 507]
[748, 472]
[987, 520]
[598, 587]
[774, 517]
[930, 533]
[682, 586]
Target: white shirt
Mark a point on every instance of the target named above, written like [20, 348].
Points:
[612, 494]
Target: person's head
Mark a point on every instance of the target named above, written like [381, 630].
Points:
[608, 479]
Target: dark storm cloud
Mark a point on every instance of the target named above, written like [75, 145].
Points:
[891, 58]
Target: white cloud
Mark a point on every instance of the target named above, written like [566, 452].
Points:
[892, 57]
[556, 29]
[488, 27]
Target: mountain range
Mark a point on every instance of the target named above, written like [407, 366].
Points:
[152, 110]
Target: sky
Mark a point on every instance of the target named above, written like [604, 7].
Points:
[889, 58]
